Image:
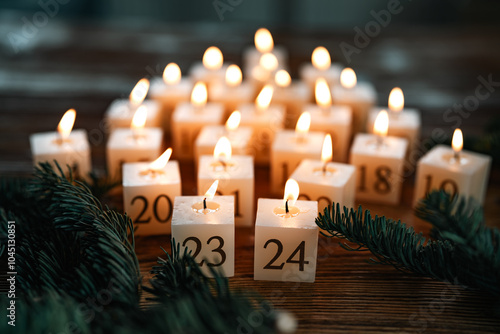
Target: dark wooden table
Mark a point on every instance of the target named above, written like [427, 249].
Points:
[87, 66]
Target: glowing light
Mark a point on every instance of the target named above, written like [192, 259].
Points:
[66, 123]
[321, 58]
[291, 192]
[212, 190]
[396, 99]
[233, 76]
[327, 150]
[303, 124]
[283, 78]
[212, 58]
[199, 94]
[322, 93]
[348, 78]
[233, 122]
[162, 160]
[263, 40]
[264, 98]
[139, 119]
[222, 150]
[381, 125]
[139, 92]
[172, 74]
[268, 61]
[457, 141]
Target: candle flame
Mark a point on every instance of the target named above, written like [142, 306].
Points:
[212, 190]
[303, 124]
[199, 94]
[139, 119]
[139, 92]
[66, 123]
[223, 148]
[162, 160]
[263, 40]
[172, 74]
[282, 78]
[321, 58]
[396, 99]
[457, 141]
[381, 125]
[233, 122]
[322, 93]
[264, 98]
[291, 192]
[327, 150]
[212, 58]
[348, 78]
[268, 61]
[233, 76]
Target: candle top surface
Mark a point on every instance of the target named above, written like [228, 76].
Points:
[212, 112]
[210, 134]
[47, 142]
[123, 138]
[393, 147]
[238, 167]
[309, 171]
[408, 118]
[251, 116]
[287, 141]
[222, 92]
[135, 174]
[122, 109]
[198, 69]
[362, 92]
[309, 73]
[160, 88]
[297, 90]
[184, 214]
[334, 115]
[442, 156]
[305, 219]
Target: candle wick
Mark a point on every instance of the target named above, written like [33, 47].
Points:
[286, 207]
[224, 165]
[456, 156]
[205, 203]
[324, 168]
[380, 141]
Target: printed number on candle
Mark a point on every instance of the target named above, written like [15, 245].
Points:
[236, 194]
[445, 185]
[216, 250]
[143, 220]
[300, 249]
[319, 199]
[382, 185]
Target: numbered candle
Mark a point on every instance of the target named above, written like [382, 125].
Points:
[149, 190]
[360, 96]
[236, 178]
[379, 163]
[320, 67]
[133, 145]
[66, 146]
[189, 118]
[290, 148]
[325, 181]
[454, 170]
[212, 69]
[335, 120]
[205, 226]
[265, 120]
[121, 111]
[286, 238]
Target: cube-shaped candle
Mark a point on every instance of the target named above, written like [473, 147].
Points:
[456, 171]
[236, 177]
[264, 44]
[320, 67]
[149, 190]
[67, 147]
[190, 117]
[379, 162]
[290, 148]
[286, 240]
[211, 70]
[265, 120]
[205, 226]
[360, 96]
[133, 145]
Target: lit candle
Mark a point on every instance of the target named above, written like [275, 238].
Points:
[134, 144]
[320, 67]
[66, 146]
[205, 226]
[360, 96]
[239, 136]
[169, 91]
[404, 122]
[189, 118]
[293, 94]
[149, 190]
[233, 92]
[236, 177]
[212, 69]
[454, 170]
[290, 148]
[286, 238]
[120, 112]
[333, 119]
[265, 120]
[379, 163]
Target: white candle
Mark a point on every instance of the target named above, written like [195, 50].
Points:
[205, 225]
[265, 120]
[403, 122]
[236, 178]
[211, 70]
[149, 190]
[335, 120]
[133, 145]
[320, 67]
[379, 163]
[189, 118]
[120, 112]
[233, 92]
[65, 146]
[286, 238]
[290, 148]
[360, 96]
[169, 91]
[325, 181]
[456, 171]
